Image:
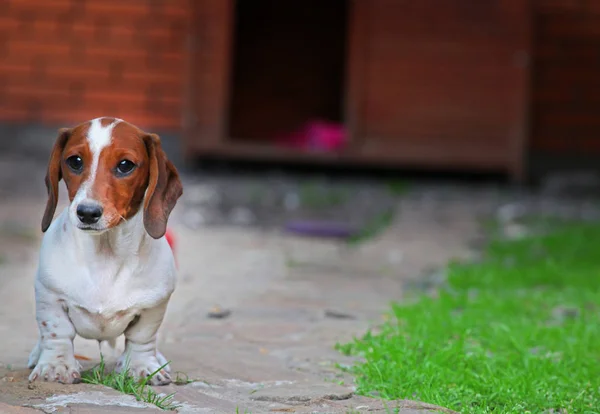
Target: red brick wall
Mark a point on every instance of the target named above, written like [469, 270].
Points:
[566, 77]
[66, 61]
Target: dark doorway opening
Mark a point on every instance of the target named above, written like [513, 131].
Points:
[289, 60]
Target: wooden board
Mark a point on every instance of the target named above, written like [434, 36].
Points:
[566, 84]
[445, 77]
[435, 83]
[208, 91]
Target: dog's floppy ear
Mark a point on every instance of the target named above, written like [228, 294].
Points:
[164, 188]
[54, 175]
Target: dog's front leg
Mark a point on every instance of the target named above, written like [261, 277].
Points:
[141, 356]
[53, 358]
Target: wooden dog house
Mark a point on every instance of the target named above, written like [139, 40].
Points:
[476, 85]
[431, 83]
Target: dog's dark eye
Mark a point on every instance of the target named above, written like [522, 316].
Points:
[124, 167]
[75, 163]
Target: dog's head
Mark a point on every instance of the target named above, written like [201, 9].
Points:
[112, 169]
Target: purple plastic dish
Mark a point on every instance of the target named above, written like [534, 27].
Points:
[321, 228]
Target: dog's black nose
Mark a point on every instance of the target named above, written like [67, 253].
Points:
[89, 213]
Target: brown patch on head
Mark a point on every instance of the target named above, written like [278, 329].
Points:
[121, 195]
[70, 141]
[77, 146]
[164, 189]
[107, 121]
[44, 323]
[154, 178]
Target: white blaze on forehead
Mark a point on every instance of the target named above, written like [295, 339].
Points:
[98, 137]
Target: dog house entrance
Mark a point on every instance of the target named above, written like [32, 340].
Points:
[289, 60]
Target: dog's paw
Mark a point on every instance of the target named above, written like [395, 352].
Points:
[34, 356]
[163, 361]
[141, 368]
[56, 371]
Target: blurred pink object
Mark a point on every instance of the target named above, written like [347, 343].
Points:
[316, 135]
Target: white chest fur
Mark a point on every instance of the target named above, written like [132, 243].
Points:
[100, 325]
[105, 281]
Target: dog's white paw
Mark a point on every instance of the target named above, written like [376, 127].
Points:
[34, 356]
[56, 369]
[143, 367]
[163, 361]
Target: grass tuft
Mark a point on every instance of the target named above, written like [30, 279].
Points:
[317, 196]
[398, 188]
[181, 378]
[373, 228]
[516, 333]
[126, 384]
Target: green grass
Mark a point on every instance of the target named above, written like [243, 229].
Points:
[517, 333]
[315, 196]
[398, 187]
[125, 383]
[373, 227]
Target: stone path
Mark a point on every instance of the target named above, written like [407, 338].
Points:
[288, 301]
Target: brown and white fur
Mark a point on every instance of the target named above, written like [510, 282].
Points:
[105, 267]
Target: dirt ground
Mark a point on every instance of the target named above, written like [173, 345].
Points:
[284, 301]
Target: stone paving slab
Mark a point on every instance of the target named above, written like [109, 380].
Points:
[12, 409]
[289, 300]
[226, 396]
[285, 316]
[16, 391]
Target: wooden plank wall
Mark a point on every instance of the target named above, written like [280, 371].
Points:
[566, 77]
[210, 71]
[445, 81]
